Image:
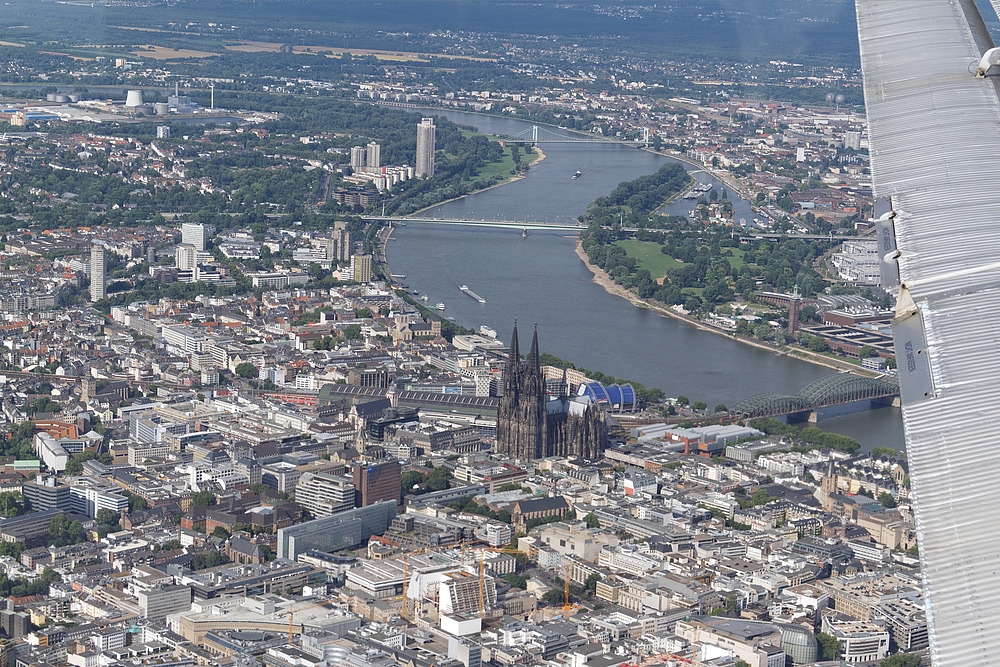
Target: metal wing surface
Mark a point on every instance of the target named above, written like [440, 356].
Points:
[934, 132]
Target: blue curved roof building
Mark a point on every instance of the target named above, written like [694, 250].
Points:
[616, 397]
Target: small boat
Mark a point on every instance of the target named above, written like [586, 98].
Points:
[440, 306]
[578, 174]
[402, 224]
[423, 298]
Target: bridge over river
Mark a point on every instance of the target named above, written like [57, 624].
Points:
[826, 392]
[508, 224]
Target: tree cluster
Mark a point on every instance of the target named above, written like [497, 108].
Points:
[812, 436]
[63, 532]
[435, 480]
[472, 507]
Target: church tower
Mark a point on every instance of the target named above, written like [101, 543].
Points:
[532, 425]
[521, 429]
[829, 483]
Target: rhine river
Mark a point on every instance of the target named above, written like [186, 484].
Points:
[540, 279]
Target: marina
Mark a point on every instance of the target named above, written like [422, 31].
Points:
[698, 190]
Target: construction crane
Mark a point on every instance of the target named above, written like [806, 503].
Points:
[482, 583]
[406, 580]
[566, 605]
[406, 563]
[291, 618]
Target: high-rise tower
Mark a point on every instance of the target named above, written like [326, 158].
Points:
[98, 270]
[373, 156]
[358, 157]
[425, 147]
[197, 234]
[186, 258]
[338, 248]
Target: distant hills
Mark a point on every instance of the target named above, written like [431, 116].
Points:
[734, 31]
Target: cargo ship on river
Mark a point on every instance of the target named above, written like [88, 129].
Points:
[465, 288]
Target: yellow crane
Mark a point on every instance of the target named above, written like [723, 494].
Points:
[406, 563]
[482, 584]
[566, 605]
[406, 581]
[291, 618]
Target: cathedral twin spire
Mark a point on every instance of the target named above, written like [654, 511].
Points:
[530, 425]
[521, 428]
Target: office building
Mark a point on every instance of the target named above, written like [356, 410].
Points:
[88, 499]
[755, 643]
[361, 268]
[425, 148]
[162, 131]
[15, 624]
[860, 641]
[187, 257]
[906, 620]
[280, 476]
[377, 482]
[30, 527]
[198, 235]
[158, 603]
[335, 532]
[322, 494]
[373, 156]
[98, 272]
[46, 495]
[469, 653]
[51, 451]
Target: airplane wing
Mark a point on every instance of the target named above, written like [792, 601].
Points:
[934, 134]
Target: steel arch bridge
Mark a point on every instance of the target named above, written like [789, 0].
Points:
[823, 393]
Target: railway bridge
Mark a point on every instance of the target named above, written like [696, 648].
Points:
[826, 392]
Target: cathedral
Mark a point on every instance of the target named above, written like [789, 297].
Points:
[534, 422]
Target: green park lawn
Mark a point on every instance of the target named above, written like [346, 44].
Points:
[503, 167]
[648, 254]
[736, 260]
[649, 257]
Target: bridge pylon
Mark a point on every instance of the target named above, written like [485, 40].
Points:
[534, 135]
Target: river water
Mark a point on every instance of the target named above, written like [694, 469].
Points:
[540, 280]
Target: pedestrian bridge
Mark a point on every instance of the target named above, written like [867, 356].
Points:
[823, 393]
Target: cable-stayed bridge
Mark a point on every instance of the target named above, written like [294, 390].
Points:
[538, 134]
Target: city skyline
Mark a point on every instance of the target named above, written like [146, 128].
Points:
[285, 425]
